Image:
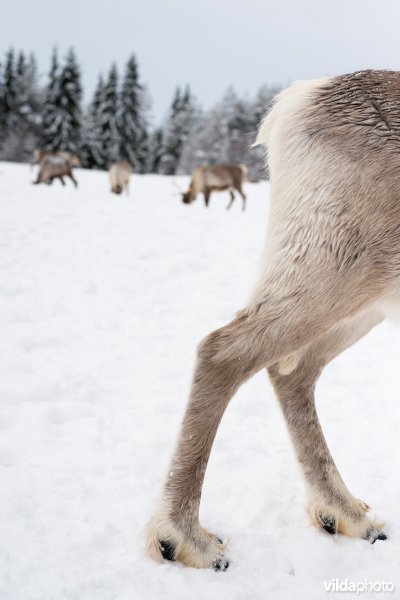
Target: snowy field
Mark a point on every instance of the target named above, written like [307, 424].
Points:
[103, 301]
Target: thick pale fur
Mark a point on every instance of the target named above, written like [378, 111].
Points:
[119, 174]
[330, 273]
[200, 548]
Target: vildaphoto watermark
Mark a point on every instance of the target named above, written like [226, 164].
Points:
[359, 587]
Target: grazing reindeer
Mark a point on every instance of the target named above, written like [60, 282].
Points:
[331, 272]
[40, 153]
[54, 166]
[119, 174]
[216, 178]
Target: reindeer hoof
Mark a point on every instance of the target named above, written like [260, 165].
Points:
[194, 548]
[328, 523]
[371, 533]
[167, 550]
[220, 564]
[374, 534]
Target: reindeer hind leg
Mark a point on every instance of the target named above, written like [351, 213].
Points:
[331, 505]
[70, 175]
[243, 197]
[231, 200]
[275, 327]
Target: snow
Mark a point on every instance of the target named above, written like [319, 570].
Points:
[103, 300]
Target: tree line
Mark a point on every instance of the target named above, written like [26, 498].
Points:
[116, 124]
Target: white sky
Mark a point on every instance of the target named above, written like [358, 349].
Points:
[209, 44]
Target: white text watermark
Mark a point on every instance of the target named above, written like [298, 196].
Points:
[359, 587]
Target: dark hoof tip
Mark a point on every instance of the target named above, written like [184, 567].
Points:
[328, 523]
[220, 564]
[380, 536]
[167, 550]
[374, 534]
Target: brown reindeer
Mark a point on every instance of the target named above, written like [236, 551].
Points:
[57, 165]
[331, 272]
[216, 178]
[40, 153]
[119, 174]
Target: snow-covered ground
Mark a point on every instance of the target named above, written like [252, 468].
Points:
[103, 300]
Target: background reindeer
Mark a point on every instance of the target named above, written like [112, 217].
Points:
[57, 165]
[216, 178]
[119, 174]
[331, 272]
[39, 154]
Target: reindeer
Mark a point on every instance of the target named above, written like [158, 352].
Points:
[216, 178]
[119, 174]
[40, 153]
[57, 166]
[331, 272]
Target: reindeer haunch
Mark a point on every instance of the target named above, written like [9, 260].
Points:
[119, 174]
[331, 268]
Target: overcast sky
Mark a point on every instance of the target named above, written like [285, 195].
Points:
[209, 44]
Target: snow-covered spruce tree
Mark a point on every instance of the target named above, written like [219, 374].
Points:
[238, 115]
[69, 132]
[19, 107]
[107, 121]
[2, 106]
[131, 119]
[263, 102]
[24, 136]
[225, 133]
[91, 153]
[52, 114]
[155, 151]
[9, 94]
[255, 158]
[207, 143]
[221, 136]
[243, 120]
[62, 113]
[180, 122]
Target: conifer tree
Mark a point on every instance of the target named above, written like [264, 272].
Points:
[27, 93]
[10, 91]
[19, 107]
[107, 120]
[155, 151]
[237, 112]
[208, 142]
[226, 132]
[2, 107]
[181, 120]
[171, 144]
[70, 105]
[263, 102]
[92, 149]
[256, 163]
[24, 136]
[52, 114]
[132, 125]
[62, 115]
